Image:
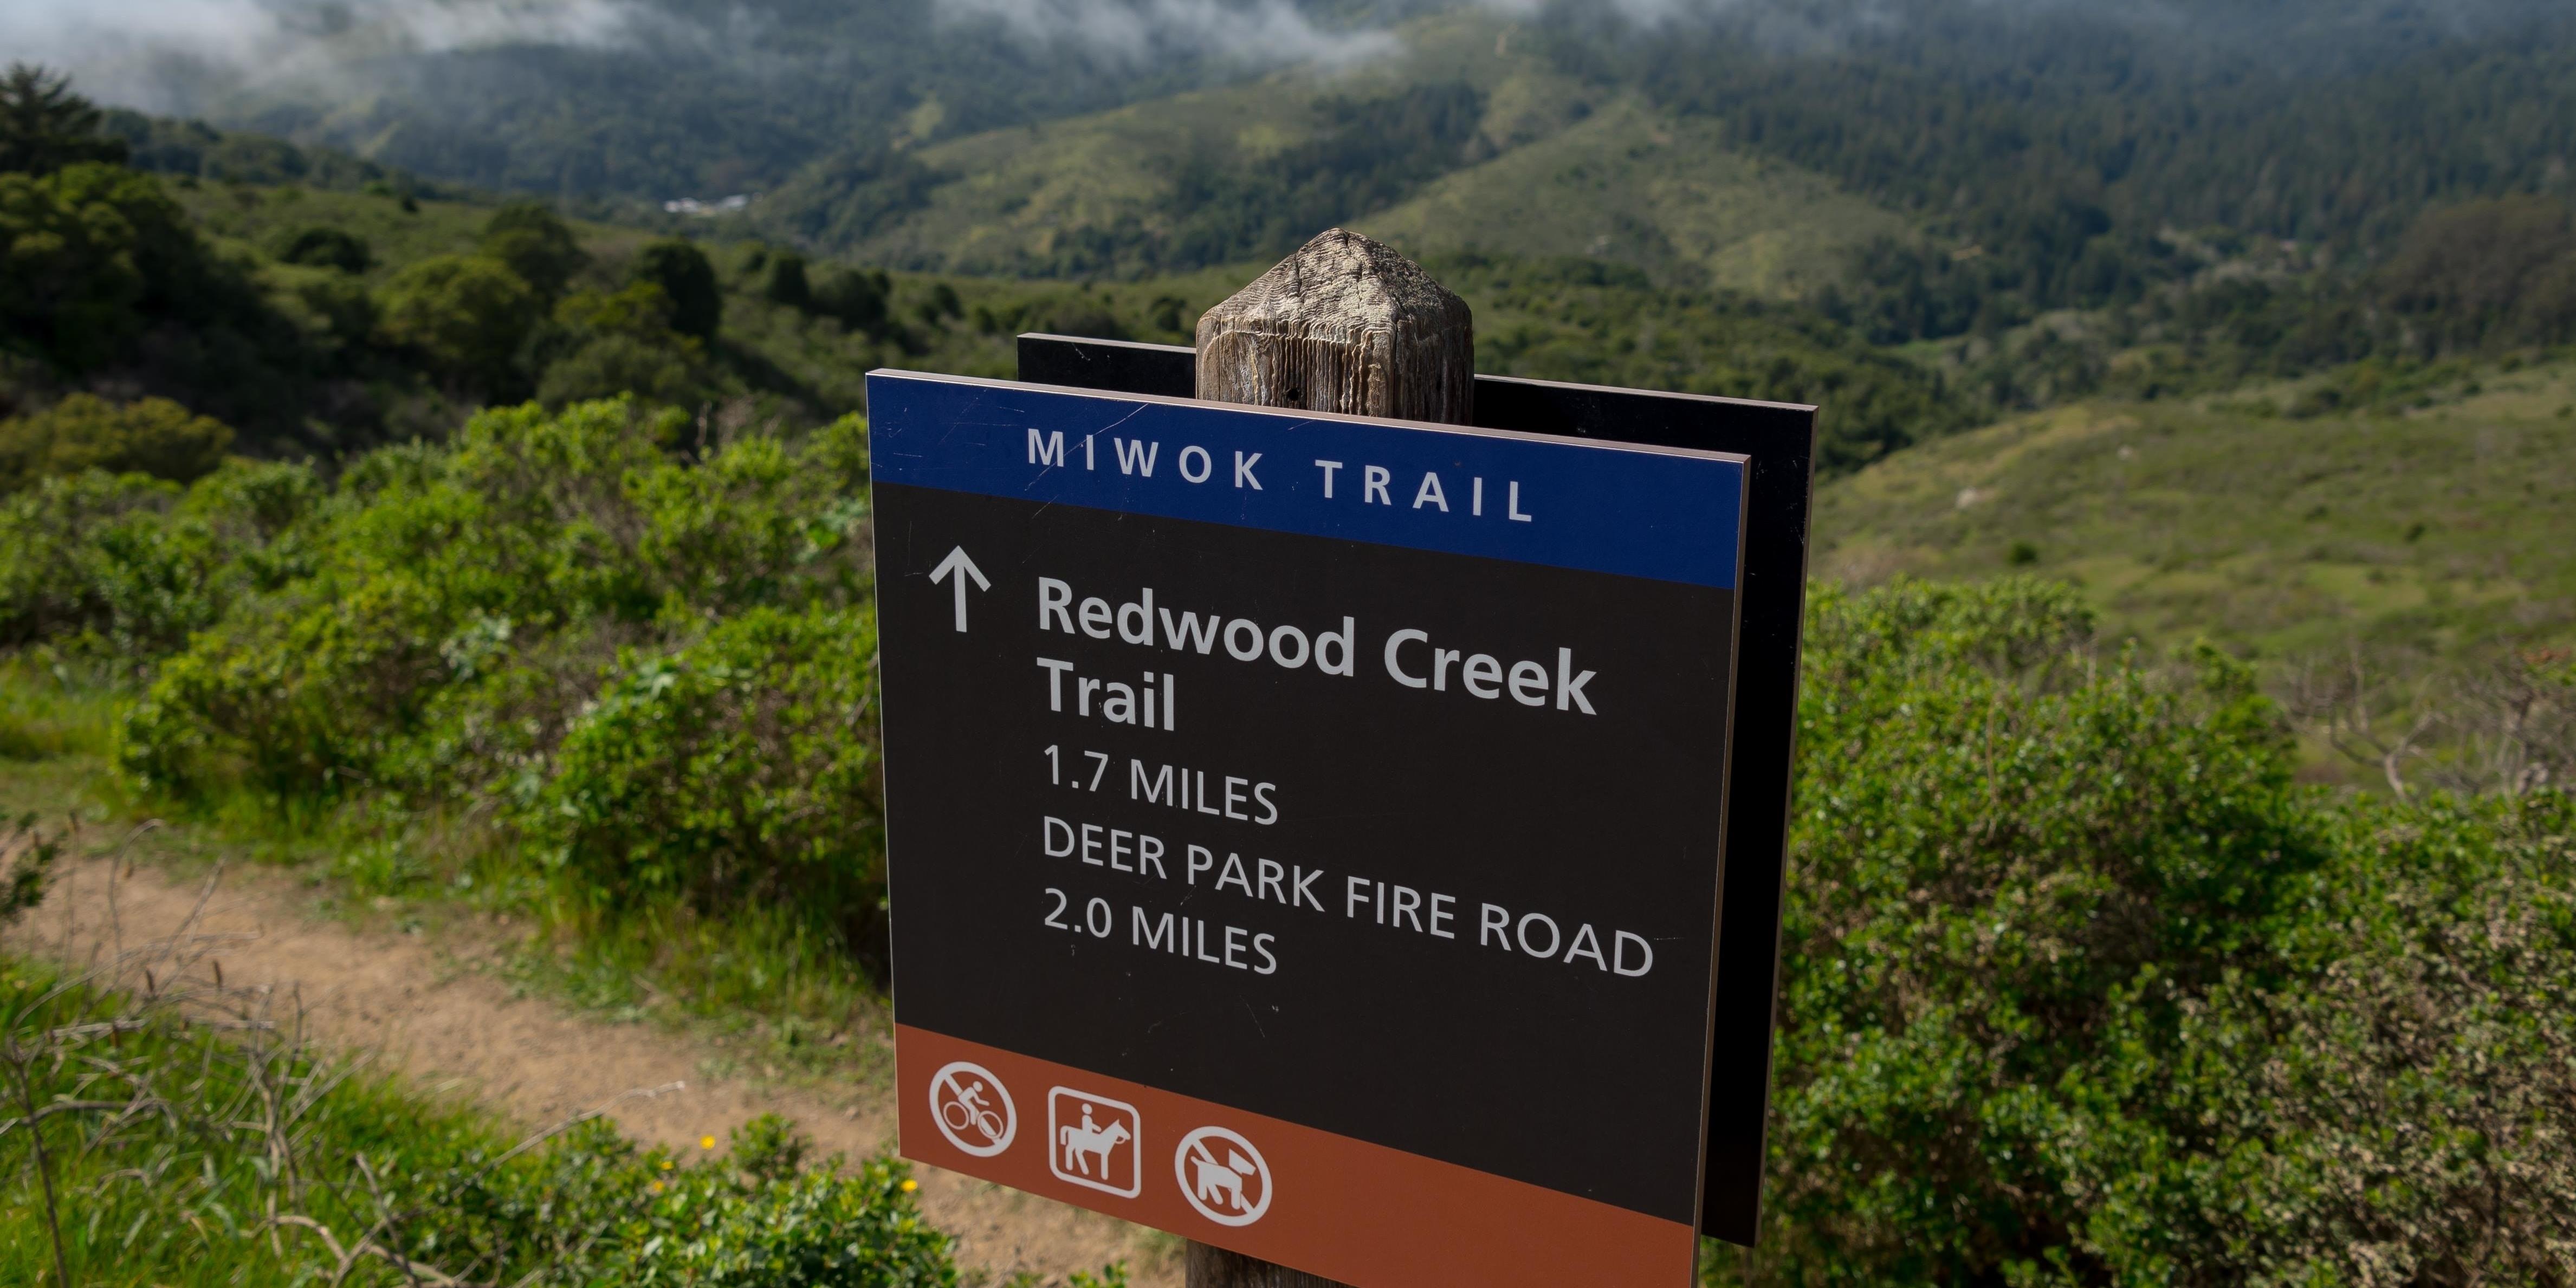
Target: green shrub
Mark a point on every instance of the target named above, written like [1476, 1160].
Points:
[857, 299]
[609, 365]
[2079, 987]
[682, 271]
[152, 436]
[536, 245]
[434, 626]
[465, 315]
[133, 566]
[785, 282]
[326, 247]
[315, 686]
[737, 770]
[760, 524]
[765, 1223]
[2390, 1103]
[603, 344]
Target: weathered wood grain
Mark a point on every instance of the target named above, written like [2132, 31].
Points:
[1347, 325]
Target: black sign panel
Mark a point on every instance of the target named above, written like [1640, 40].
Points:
[1780, 441]
[1355, 787]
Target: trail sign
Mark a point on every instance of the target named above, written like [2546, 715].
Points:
[1308, 841]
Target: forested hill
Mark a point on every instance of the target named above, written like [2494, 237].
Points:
[1922, 171]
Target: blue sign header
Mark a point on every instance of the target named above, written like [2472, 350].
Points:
[1636, 511]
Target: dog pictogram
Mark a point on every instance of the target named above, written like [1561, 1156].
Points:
[1223, 1176]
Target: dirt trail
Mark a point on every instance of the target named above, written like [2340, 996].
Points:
[449, 1027]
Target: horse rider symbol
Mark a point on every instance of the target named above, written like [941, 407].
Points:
[1081, 1143]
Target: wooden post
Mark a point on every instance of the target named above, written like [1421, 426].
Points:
[1344, 325]
[1217, 1268]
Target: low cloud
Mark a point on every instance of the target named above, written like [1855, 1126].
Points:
[176, 55]
[1266, 32]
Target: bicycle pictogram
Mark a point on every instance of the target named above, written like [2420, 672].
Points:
[973, 1109]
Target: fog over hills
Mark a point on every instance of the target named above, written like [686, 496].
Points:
[680, 97]
[1918, 165]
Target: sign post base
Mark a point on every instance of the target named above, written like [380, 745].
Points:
[1212, 1267]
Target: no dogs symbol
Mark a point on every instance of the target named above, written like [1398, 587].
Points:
[1223, 1176]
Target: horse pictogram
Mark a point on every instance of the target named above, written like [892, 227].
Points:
[973, 1109]
[1095, 1141]
[1223, 1176]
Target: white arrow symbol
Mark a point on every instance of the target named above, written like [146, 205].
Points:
[957, 565]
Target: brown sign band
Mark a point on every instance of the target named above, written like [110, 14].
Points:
[1319, 1202]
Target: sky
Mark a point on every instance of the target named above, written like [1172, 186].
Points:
[170, 55]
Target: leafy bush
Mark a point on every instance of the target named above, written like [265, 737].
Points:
[2392, 1103]
[2078, 987]
[536, 245]
[766, 1224]
[82, 432]
[327, 247]
[454, 608]
[785, 281]
[131, 565]
[682, 271]
[857, 299]
[739, 769]
[604, 344]
[464, 314]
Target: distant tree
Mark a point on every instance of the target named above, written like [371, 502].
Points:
[642, 310]
[604, 344]
[609, 366]
[857, 299]
[2502, 271]
[683, 273]
[330, 248]
[44, 126]
[466, 314]
[82, 432]
[88, 254]
[536, 245]
[786, 281]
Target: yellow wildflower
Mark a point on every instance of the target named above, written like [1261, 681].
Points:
[909, 1185]
[706, 1142]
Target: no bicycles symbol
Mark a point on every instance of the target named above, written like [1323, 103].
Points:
[973, 1109]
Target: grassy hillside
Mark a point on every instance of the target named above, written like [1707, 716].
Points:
[2431, 522]
[1471, 139]
[1639, 187]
